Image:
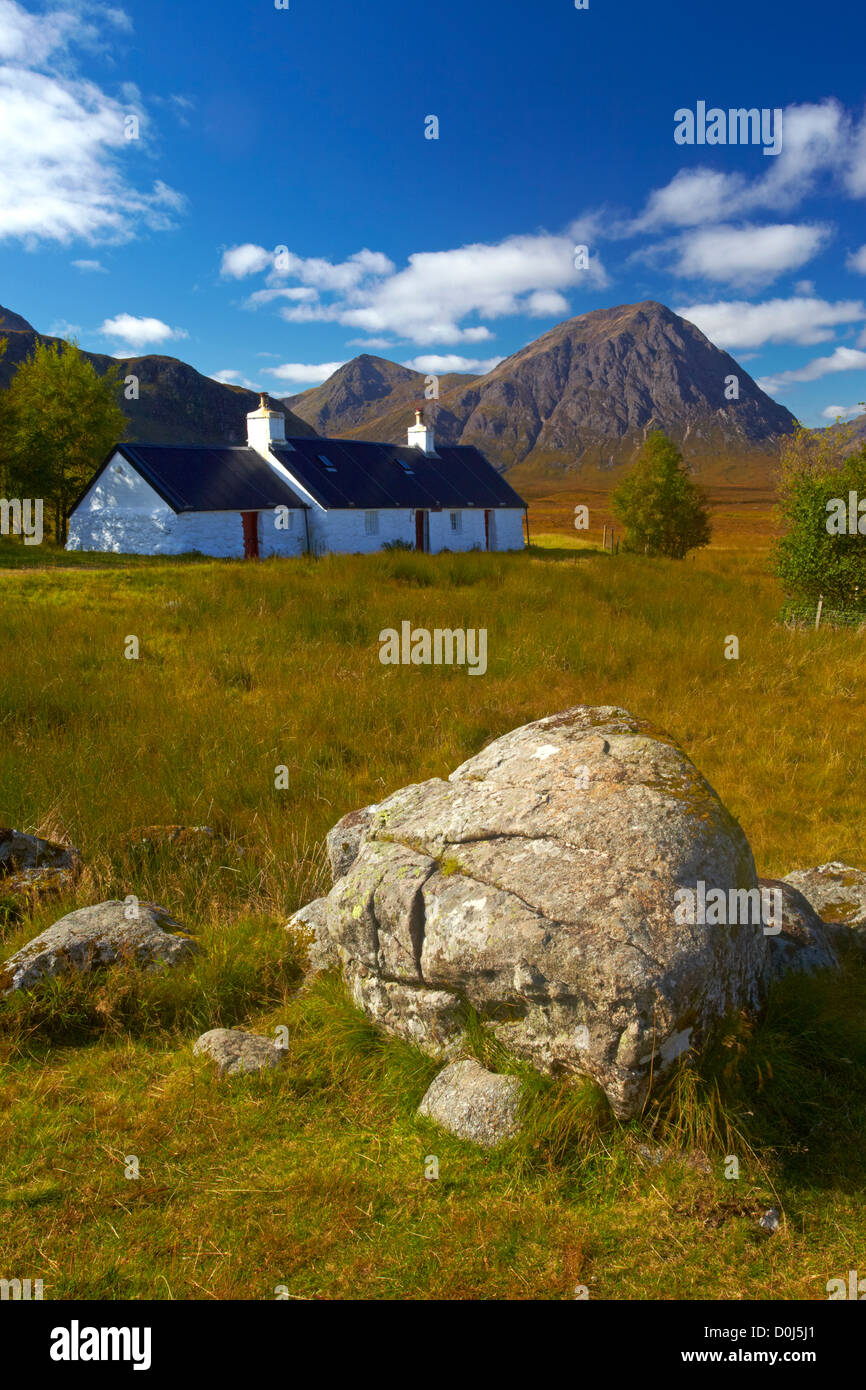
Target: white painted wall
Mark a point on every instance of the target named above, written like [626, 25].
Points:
[122, 513]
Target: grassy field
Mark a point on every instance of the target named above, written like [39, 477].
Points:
[312, 1178]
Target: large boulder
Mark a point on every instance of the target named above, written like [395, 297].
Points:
[235, 1051]
[473, 1103]
[837, 892]
[99, 935]
[541, 885]
[32, 868]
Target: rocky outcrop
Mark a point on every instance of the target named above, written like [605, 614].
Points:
[803, 944]
[837, 892]
[473, 1103]
[539, 885]
[235, 1051]
[32, 868]
[96, 936]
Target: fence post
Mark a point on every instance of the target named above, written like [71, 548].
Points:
[818, 614]
[604, 540]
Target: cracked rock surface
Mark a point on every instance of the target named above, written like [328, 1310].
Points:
[537, 885]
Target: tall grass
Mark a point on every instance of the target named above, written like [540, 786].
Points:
[313, 1175]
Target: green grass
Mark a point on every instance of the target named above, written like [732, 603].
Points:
[313, 1176]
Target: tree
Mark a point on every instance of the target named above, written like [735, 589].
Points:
[663, 511]
[823, 550]
[61, 420]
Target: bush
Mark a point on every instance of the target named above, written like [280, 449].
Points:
[818, 554]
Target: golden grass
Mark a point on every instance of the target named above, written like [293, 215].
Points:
[312, 1178]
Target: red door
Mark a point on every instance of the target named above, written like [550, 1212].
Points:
[486, 530]
[419, 531]
[251, 535]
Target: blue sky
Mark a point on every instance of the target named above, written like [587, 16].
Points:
[256, 128]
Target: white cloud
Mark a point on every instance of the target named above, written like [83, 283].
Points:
[451, 362]
[304, 373]
[139, 332]
[63, 139]
[246, 259]
[740, 324]
[818, 139]
[90, 266]
[805, 287]
[542, 304]
[744, 257]
[857, 261]
[842, 359]
[843, 412]
[298, 293]
[61, 328]
[428, 300]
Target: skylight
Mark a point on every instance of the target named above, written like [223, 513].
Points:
[326, 463]
[407, 467]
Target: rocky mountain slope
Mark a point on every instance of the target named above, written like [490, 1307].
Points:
[586, 394]
[176, 405]
[362, 390]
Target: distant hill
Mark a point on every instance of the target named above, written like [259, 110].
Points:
[585, 395]
[362, 390]
[176, 405]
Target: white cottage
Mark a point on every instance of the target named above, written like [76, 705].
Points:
[279, 496]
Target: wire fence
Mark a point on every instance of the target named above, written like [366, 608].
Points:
[816, 613]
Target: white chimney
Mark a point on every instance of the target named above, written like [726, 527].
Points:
[265, 427]
[420, 436]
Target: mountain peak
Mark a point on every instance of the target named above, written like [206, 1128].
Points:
[13, 323]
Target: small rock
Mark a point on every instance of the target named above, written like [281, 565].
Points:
[236, 1051]
[344, 840]
[837, 892]
[95, 936]
[694, 1159]
[770, 1221]
[311, 923]
[473, 1103]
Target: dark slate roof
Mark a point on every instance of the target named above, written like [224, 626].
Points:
[193, 478]
[369, 475]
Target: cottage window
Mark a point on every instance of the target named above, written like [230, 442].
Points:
[371, 523]
[456, 521]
